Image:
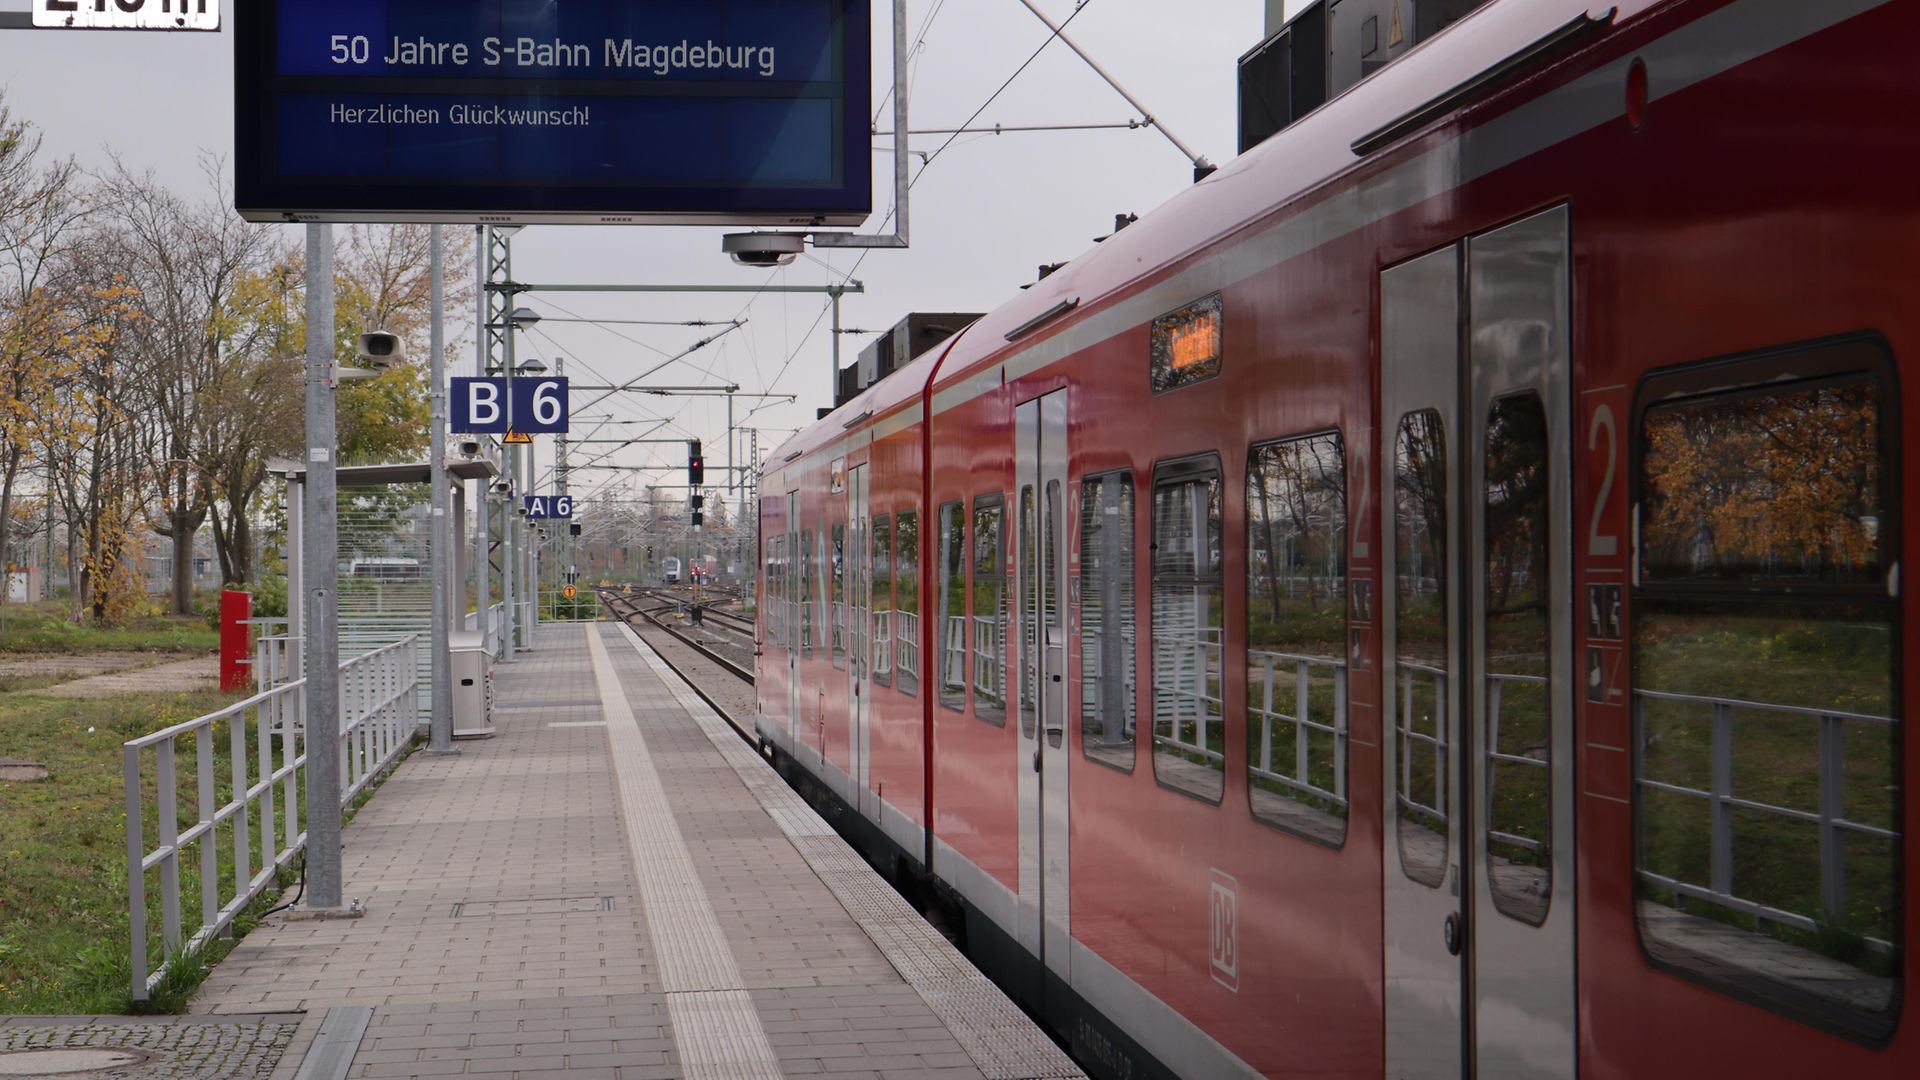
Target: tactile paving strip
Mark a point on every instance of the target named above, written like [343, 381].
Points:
[715, 1026]
[1002, 1041]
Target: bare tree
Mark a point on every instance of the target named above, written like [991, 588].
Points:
[41, 213]
[186, 259]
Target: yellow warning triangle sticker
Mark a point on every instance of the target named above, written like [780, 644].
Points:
[1395, 35]
[514, 437]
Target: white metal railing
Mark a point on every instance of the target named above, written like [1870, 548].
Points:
[883, 642]
[1264, 705]
[906, 637]
[840, 628]
[989, 659]
[953, 652]
[1410, 674]
[1830, 818]
[1496, 683]
[377, 720]
[1189, 675]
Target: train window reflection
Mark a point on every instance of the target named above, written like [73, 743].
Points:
[1107, 619]
[1783, 486]
[1029, 613]
[1296, 636]
[776, 591]
[881, 636]
[1768, 853]
[837, 559]
[950, 609]
[988, 610]
[1515, 702]
[906, 600]
[809, 591]
[1189, 650]
[1422, 722]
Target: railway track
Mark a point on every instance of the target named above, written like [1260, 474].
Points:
[630, 607]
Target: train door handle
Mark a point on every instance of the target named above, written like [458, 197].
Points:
[1036, 761]
[1451, 933]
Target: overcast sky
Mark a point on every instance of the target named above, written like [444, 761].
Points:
[987, 212]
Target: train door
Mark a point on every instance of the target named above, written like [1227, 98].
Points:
[1040, 502]
[1479, 769]
[796, 560]
[859, 590]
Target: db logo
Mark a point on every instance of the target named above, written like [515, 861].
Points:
[1224, 924]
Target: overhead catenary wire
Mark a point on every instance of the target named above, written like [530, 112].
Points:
[925, 164]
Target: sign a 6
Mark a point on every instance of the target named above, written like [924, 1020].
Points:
[549, 506]
[497, 405]
[127, 14]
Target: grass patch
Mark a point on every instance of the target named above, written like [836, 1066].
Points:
[63, 877]
[44, 627]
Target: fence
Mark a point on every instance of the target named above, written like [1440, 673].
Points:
[1830, 817]
[1439, 741]
[1188, 681]
[1264, 705]
[377, 719]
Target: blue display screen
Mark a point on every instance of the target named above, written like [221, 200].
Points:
[466, 110]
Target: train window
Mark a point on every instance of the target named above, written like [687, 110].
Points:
[837, 595]
[1768, 739]
[1185, 344]
[906, 597]
[987, 610]
[1189, 650]
[950, 625]
[1518, 637]
[1052, 610]
[1107, 619]
[881, 668]
[809, 590]
[1423, 730]
[1029, 613]
[1297, 636]
[775, 588]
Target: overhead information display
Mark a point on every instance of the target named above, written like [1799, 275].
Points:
[717, 112]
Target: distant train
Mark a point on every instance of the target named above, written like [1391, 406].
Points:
[670, 568]
[1425, 601]
[385, 569]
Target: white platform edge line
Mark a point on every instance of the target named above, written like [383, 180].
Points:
[719, 1037]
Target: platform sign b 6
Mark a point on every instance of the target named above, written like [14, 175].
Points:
[497, 405]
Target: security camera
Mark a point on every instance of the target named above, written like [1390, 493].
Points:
[502, 487]
[380, 350]
[764, 249]
[469, 448]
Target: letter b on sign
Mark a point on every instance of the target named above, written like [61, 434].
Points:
[479, 406]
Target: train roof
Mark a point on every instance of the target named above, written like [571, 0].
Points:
[1267, 181]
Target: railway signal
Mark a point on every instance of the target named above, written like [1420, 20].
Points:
[696, 465]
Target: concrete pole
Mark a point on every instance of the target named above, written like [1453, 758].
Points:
[532, 537]
[321, 544]
[440, 532]
[510, 524]
[482, 590]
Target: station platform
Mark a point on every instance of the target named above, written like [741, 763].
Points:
[616, 886]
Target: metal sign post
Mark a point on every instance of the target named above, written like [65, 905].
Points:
[440, 535]
[320, 556]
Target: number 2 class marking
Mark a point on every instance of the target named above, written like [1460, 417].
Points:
[1598, 543]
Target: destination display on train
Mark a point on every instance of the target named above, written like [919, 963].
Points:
[723, 111]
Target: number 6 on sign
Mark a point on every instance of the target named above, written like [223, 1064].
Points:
[540, 406]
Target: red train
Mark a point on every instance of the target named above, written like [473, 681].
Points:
[1426, 601]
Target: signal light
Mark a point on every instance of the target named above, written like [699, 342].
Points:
[698, 519]
[696, 465]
